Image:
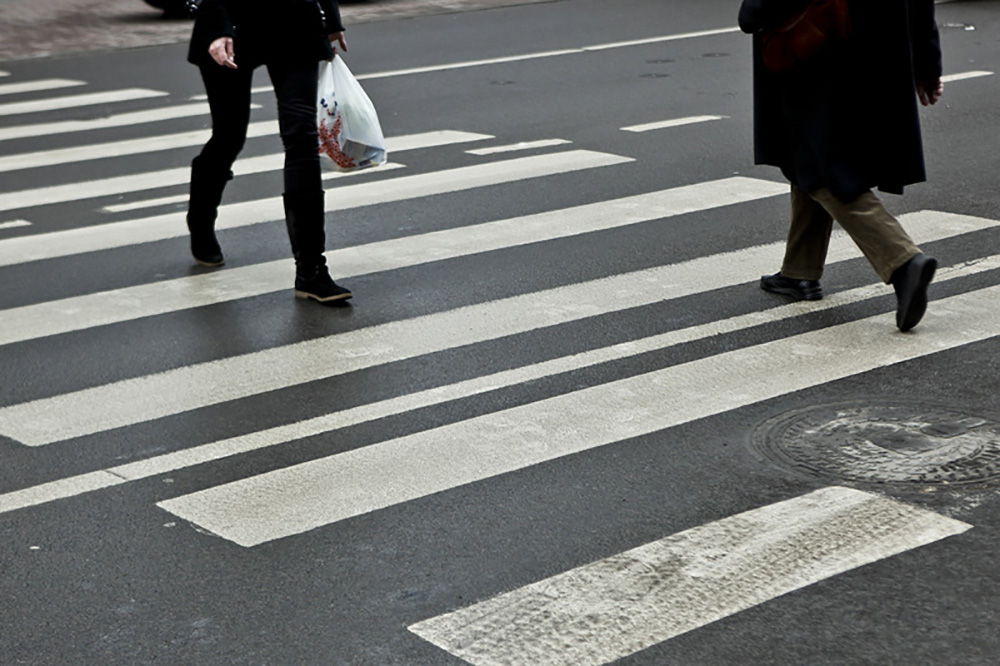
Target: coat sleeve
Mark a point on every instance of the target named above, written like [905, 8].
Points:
[213, 21]
[925, 40]
[757, 15]
[331, 16]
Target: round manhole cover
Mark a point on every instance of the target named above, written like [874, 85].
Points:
[900, 445]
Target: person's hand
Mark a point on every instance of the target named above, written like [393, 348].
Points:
[929, 92]
[338, 38]
[221, 51]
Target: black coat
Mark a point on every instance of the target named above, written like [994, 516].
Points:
[266, 30]
[847, 120]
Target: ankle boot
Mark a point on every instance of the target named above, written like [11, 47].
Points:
[203, 207]
[910, 282]
[305, 219]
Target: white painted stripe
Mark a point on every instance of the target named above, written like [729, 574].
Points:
[172, 225]
[90, 99]
[388, 166]
[524, 145]
[433, 139]
[58, 489]
[546, 54]
[606, 610]
[253, 91]
[199, 137]
[676, 122]
[661, 39]
[182, 198]
[38, 85]
[55, 194]
[119, 120]
[306, 496]
[3, 74]
[182, 175]
[100, 408]
[149, 144]
[14, 223]
[146, 203]
[466, 64]
[172, 462]
[961, 76]
[80, 312]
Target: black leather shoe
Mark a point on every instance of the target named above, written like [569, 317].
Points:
[802, 290]
[910, 282]
[321, 287]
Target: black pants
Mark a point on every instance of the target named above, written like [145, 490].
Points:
[229, 99]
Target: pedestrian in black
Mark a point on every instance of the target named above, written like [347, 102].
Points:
[840, 124]
[290, 37]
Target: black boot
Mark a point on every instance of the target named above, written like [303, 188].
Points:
[305, 218]
[206, 195]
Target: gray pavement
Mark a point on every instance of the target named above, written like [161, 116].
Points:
[42, 28]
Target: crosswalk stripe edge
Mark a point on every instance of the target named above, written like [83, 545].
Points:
[176, 391]
[303, 497]
[115, 306]
[617, 606]
[172, 462]
[161, 227]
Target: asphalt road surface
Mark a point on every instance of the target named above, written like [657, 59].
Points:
[558, 424]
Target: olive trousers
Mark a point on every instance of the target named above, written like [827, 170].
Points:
[879, 235]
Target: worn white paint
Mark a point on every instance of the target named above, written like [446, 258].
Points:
[70, 126]
[183, 198]
[171, 462]
[102, 308]
[146, 203]
[545, 54]
[38, 85]
[303, 497]
[182, 175]
[256, 90]
[514, 147]
[962, 76]
[172, 225]
[147, 144]
[132, 401]
[14, 224]
[675, 122]
[661, 39]
[76, 101]
[625, 603]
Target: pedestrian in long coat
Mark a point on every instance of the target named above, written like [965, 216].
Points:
[231, 38]
[842, 124]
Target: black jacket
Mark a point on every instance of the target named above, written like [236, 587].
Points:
[848, 120]
[266, 30]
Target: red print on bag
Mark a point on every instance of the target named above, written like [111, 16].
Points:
[329, 144]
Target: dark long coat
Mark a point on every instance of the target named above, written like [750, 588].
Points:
[266, 30]
[847, 120]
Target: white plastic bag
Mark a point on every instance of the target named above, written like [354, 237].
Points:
[349, 131]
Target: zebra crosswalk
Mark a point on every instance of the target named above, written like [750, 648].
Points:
[35, 86]
[539, 341]
[613, 608]
[77, 101]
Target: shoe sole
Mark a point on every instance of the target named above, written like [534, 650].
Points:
[209, 264]
[811, 295]
[912, 310]
[328, 299]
